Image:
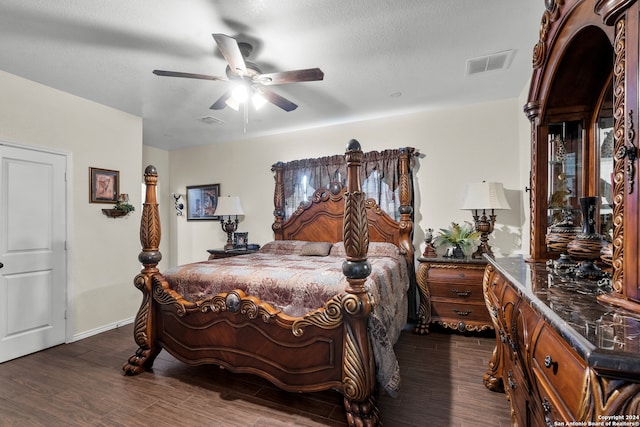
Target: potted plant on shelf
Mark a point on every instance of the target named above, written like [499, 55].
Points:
[121, 208]
[458, 241]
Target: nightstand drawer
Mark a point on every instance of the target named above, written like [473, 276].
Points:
[462, 312]
[459, 275]
[467, 292]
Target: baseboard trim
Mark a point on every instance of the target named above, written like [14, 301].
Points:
[101, 329]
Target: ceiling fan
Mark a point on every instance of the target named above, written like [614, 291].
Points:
[250, 81]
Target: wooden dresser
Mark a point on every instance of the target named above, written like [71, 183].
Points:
[454, 289]
[560, 355]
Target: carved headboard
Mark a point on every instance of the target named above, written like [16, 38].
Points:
[321, 217]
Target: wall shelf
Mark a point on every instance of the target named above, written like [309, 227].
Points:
[114, 213]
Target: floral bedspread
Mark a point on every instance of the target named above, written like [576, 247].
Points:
[282, 276]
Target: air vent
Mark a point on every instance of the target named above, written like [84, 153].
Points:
[493, 62]
[210, 120]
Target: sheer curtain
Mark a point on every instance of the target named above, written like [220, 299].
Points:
[379, 177]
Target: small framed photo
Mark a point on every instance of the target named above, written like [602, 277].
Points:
[202, 201]
[104, 185]
[240, 240]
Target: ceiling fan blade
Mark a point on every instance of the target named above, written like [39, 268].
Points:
[277, 100]
[231, 52]
[186, 75]
[294, 76]
[220, 104]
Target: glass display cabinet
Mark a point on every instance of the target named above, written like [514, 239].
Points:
[565, 154]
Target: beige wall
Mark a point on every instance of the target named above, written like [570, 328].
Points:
[103, 251]
[457, 146]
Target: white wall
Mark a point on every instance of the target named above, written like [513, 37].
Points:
[457, 146]
[103, 251]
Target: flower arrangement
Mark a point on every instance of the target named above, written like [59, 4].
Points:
[464, 236]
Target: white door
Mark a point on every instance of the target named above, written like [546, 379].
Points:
[32, 250]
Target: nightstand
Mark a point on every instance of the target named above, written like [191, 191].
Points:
[221, 253]
[454, 289]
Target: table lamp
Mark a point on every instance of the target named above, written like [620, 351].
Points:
[481, 197]
[228, 207]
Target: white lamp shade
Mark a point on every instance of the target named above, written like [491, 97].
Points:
[485, 195]
[229, 206]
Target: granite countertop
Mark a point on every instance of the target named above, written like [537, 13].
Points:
[606, 337]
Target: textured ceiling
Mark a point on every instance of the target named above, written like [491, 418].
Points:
[371, 51]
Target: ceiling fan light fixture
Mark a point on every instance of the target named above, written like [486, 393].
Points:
[232, 103]
[258, 100]
[240, 93]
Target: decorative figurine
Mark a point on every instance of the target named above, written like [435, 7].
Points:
[429, 251]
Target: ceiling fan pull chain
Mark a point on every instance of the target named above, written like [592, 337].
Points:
[246, 116]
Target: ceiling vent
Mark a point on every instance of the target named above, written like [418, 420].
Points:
[493, 62]
[210, 120]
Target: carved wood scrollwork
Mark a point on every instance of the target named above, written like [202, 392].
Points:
[235, 302]
[551, 14]
[328, 317]
[140, 326]
[630, 151]
[610, 397]
[619, 142]
[355, 379]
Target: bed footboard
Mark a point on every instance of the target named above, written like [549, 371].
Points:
[328, 348]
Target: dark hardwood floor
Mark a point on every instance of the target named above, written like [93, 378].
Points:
[81, 384]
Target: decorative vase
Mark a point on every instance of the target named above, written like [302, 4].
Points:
[458, 252]
[454, 251]
[558, 237]
[606, 254]
[588, 243]
[564, 264]
[560, 234]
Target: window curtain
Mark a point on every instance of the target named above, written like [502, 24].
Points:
[379, 175]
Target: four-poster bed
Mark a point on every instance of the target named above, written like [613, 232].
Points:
[345, 344]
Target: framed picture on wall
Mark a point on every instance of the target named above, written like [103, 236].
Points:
[202, 201]
[104, 185]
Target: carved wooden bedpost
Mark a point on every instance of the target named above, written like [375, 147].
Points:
[278, 200]
[150, 256]
[358, 363]
[405, 193]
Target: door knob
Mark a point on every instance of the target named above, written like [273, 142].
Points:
[1, 265]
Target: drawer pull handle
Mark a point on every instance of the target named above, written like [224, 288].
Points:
[550, 363]
[462, 313]
[512, 383]
[546, 406]
[464, 294]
